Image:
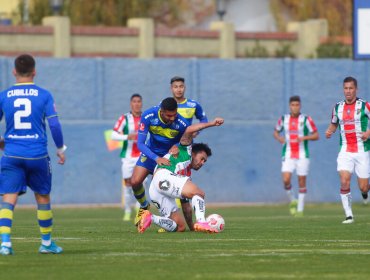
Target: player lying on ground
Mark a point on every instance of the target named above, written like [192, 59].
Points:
[173, 181]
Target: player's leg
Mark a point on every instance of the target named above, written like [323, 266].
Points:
[362, 169]
[170, 219]
[144, 166]
[12, 183]
[6, 221]
[302, 172]
[39, 180]
[345, 167]
[287, 169]
[128, 197]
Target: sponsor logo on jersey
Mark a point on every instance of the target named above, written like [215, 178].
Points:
[164, 185]
[142, 126]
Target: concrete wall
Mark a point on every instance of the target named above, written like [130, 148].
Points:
[250, 94]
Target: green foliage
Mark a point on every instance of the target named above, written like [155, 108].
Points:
[333, 50]
[257, 51]
[284, 51]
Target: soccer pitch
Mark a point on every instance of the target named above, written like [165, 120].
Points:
[259, 242]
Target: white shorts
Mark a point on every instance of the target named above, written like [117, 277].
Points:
[358, 162]
[301, 166]
[127, 167]
[164, 189]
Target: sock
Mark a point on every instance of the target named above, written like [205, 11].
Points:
[300, 205]
[129, 199]
[139, 194]
[45, 218]
[289, 192]
[346, 202]
[6, 220]
[166, 223]
[199, 208]
[364, 195]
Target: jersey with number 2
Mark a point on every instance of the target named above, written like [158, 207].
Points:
[25, 107]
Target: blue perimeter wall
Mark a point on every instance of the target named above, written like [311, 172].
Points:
[251, 94]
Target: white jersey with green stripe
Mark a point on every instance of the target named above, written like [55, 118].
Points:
[181, 163]
[295, 127]
[353, 120]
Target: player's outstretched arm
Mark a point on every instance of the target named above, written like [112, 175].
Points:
[188, 136]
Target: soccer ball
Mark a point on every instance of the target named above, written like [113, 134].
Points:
[216, 221]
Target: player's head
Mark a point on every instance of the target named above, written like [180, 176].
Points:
[350, 89]
[199, 155]
[24, 66]
[295, 105]
[136, 103]
[168, 110]
[178, 87]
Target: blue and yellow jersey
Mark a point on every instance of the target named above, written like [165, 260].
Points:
[25, 107]
[190, 108]
[162, 136]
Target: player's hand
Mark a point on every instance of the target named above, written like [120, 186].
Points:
[328, 133]
[163, 161]
[132, 136]
[281, 140]
[365, 135]
[62, 158]
[218, 121]
[174, 151]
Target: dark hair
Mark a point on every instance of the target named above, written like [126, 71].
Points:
[177, 79]
[349, 80]
[201, 147]
[294, 98]
[136, 95]
[24, 65]
[169, 104]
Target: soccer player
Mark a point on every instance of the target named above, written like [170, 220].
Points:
[298, 129]
[187, 108]
[170, 182]
[125, 129]
[352, 117]
[25, 160]
[165, 128]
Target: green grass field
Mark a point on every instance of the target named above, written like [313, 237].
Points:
[259, 242]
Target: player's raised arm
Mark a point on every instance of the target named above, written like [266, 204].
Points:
[188, 136]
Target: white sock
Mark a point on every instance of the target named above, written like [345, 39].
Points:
[290, 194]
[165, 223]
[300, 205]
[347, 203]
[199, 208]
[130, 199]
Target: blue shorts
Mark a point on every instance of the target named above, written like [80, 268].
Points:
[16, 173]
[146, 162]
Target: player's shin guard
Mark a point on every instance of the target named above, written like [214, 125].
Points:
[6, 220]
[165, 223]
[199, 208]
[139, 194]
[45, 218]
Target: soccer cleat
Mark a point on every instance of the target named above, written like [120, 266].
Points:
[126, 217]
[51, 249]
[139, 213]
[204, 227]
[293, 207]
[348, 220]
[6, 251]
[299, 214]
[145, 222]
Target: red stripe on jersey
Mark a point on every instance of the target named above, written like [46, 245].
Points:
[118, 124]
[349, 127]
[293, 136]
[135, 149]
